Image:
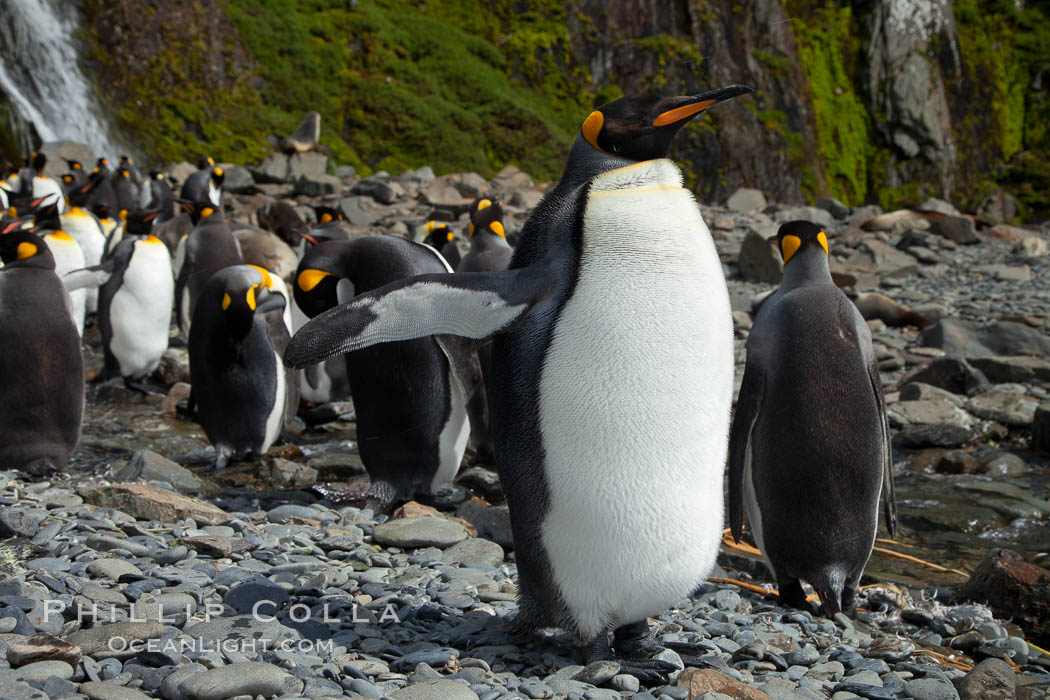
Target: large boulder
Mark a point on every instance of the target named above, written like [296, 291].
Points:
[760, 260]
[960, 338]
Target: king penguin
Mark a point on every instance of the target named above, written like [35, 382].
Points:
[67, 253]
[240, 384]
[439, 236]
[135, 296]
[206, 249]
[86, 230]
[809, 448]
[46, 189]
[205, 185]
[410, 397]
[612, 379]
[489, 252]
[41, 368]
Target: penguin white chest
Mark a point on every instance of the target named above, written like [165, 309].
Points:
[634, 404]
[140, 312]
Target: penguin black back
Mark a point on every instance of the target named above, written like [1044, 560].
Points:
[41, 367]
[809, 445]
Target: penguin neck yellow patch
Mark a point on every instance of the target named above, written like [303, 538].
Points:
[592, 126]
[470, 231]
[308, 279]
[823, 240]
[789, 246]
[679, 113]
[26, 250]
[497, 228]
[61, 236]
[450, 235]
[153, 239]
[226, 301]
[265, 274]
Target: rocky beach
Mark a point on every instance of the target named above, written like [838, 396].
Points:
[136, 573]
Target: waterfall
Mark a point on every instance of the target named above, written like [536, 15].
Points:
[40, 75]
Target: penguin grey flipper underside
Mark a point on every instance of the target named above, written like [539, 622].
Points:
[94, 276]
[463, 359]
[889, 495]
[745, 414]
[468, 304]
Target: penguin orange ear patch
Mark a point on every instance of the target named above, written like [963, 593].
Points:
[267, 280]
[250, 298]
[206, 212]
[679, 113]
[26, 250]
[592, 126]
[497, 228]
[484, 204]
[308, 279]
[789, 246]
[470, 230]
[226, 301]
[823, 240]
[325, 218]
[450, 235]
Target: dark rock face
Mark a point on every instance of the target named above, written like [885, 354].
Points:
[971, 339]
[1013, 588]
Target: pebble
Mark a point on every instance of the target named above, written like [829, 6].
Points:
[424, 531]
[111, 691]
[40, 671]
[250, 678]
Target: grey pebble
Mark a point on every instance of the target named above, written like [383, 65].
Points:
[111, 691]
[931, 689]
[252, 678]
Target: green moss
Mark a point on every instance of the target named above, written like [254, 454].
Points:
[777, 64]
[826, 48]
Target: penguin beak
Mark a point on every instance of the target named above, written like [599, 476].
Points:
[270, 302]
[688, 107]
[309, 239]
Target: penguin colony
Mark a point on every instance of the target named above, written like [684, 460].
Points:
[497, 348]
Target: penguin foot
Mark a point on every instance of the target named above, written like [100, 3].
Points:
[632, 642]
[650, 672]
[380, 497]
[41, 468]
[222, 458]
[139, 384]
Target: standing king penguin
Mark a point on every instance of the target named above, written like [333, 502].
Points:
[41, 368]
[136, 291]
[809, 448]
[612, 379]
[410, 397]
[240, 384]
[489, 252]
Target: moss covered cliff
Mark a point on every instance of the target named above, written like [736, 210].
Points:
[473, 85]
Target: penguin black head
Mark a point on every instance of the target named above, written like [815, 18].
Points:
[80, 195]
[140, 221]
[204, 162]
[248, 289]
[800, 235]
[100, 210]
[217, 176]
[46, 216]
[327, 215]
[74, 164]
[438, 234]
[21, 248]
[126, 161]
[198, 210]
[156, 175]
[486, 215]
[39, 162]
[642, 127]
[319, 281]
[101, 164]
[68, 180]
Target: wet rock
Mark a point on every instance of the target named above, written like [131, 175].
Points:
[426, 531]
[920, 391]
[1002, 464]
[95, 641]
[1014, 589]
[951, 374]
[491, 523]
[474, 550]
[958, 462]
[955, 228]
[746, 200]
[150, 466]
[928, 413]
[246, 678]
[1013, 368]
[697, 681]
[151, 503]
[1006, 407]
[284, 474]
[918, 436]
[991, 679]
[760, 260]
[970, 339]
[42, 647]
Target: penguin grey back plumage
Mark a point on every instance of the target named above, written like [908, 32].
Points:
[41, 367]
[809, 450]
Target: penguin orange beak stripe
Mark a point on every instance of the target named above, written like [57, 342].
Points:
[684, 112]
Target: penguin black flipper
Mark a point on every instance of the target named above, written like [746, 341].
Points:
[889, 494]
[746, 413]
[470, 304]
